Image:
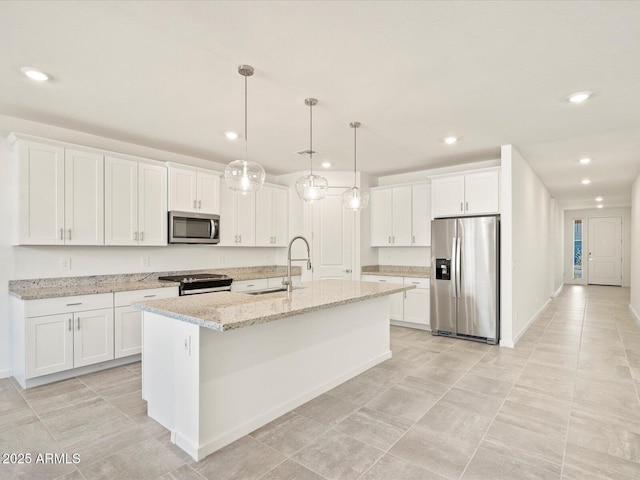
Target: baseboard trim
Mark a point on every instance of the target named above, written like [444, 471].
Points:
[516, 339]
[557, 292]
[6, 373]
[636, 317]
[417, 326]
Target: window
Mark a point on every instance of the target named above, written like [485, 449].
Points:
[577, 249]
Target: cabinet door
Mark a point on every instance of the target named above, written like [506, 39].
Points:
[380, 211]
[183, 186]
[127, 327]
[41, 194]
[482, 192]
[396, 301]
[152, 204]
[246, 219]
[280, 218]
[83, 198]
[416, 306]
[447, 196]
[421, 215]
[93, 337]
[401, 217]
[264, 216]
[49, 344]
[208, 188]
[121, 202]
[228, 219]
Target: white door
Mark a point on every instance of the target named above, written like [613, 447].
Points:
[121, 202]
[482, 193]
[182, 192]
[264, 213]
[447, 195]
[401, 217]
[83, 198]
[332, 238]
[380, 211]
[41, 200]
[127, 331]
[93, 337]
[208, 188]
[152, 204]
[605, 251]
[49, 344]
[421, 215]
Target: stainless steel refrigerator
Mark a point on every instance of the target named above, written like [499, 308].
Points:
[465, 278]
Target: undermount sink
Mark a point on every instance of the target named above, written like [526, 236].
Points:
[272, 290]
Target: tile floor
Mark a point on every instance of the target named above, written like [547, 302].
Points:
[562, 405]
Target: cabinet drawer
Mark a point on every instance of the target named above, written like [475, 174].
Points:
[77, 303]
[277, 281]
[418, 282]
[382, 279]
[250, 285]
[124, 299]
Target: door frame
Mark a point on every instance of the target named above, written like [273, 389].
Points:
[621, 246]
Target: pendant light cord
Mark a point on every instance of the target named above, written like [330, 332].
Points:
[246, 140]
[355, 154]
[310, 138]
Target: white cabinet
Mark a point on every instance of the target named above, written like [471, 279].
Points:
[237, 218]
[194, 190]
[245, 286]
[410, 308]
[135, 202]
[60, 195]
[400, 216]
[127, 325]
[473, 193]
[72, 333]
[272, 213]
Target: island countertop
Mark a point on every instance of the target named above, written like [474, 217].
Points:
[224, 311]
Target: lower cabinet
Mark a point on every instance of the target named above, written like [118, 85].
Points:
[410, 308]
[93, 337]
[245, 286]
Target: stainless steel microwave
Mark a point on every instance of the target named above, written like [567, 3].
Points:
[189, 227]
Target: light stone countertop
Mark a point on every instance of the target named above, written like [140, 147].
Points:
[224, 311]
[38, 288]
[397, 271]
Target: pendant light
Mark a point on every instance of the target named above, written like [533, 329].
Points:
[353, 198]
[244, 176]
[311, 187]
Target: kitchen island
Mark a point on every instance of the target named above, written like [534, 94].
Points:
[218, 366]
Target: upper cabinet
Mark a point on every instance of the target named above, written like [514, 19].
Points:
[473, 193]
[400, 216]
[194, 190]
[60, 195]
[237, 218]
[135, 202]
[272, 214]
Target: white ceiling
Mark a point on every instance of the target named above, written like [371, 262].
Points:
[164, 74]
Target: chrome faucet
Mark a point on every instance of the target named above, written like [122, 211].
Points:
[288, 281]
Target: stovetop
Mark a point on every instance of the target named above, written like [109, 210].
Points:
[195, 277]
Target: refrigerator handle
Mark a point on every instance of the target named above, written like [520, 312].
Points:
[454, 266]
[458, 262]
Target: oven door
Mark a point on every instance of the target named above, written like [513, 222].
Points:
[188, 227]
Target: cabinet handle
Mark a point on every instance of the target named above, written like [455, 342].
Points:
[239, 238]
[73, 304]
[416, 283]
[149, 296]
[69, 234]
[389, 239]
[199, 204]
[62, 234]
[142, 236]
[413, 239]
[78, 323]
[69, 324]
[251, 285]
[393, 239]
[383, 281]
[461, 209]
[135, 236]
[466, 205]
[194, 204]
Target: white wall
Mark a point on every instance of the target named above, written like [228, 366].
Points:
[570, 215]
[526, 241]
[634, 263]
[21, 262]
[556, 231]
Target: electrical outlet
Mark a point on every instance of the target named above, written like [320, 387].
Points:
[187, 345]
[145, 260]
[221, 259]
[65, 263]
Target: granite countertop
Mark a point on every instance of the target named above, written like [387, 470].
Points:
[227, 311]
[38, 288]
[397, 271]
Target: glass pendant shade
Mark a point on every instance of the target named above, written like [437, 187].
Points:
[244, 176]
[312, 187]
[354, 199]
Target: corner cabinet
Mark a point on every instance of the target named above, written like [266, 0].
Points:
[471, 193]
[400, 216]
[60, 197]
[135, 202]
[272, 215]
[194, 190]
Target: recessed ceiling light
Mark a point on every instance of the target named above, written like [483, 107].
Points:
[450, 140]
[599, 198]
[35, 74]
[579, 97]
[600, 206]
[586, 181]
[231, 135]
[326, 164]
[585, 160]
